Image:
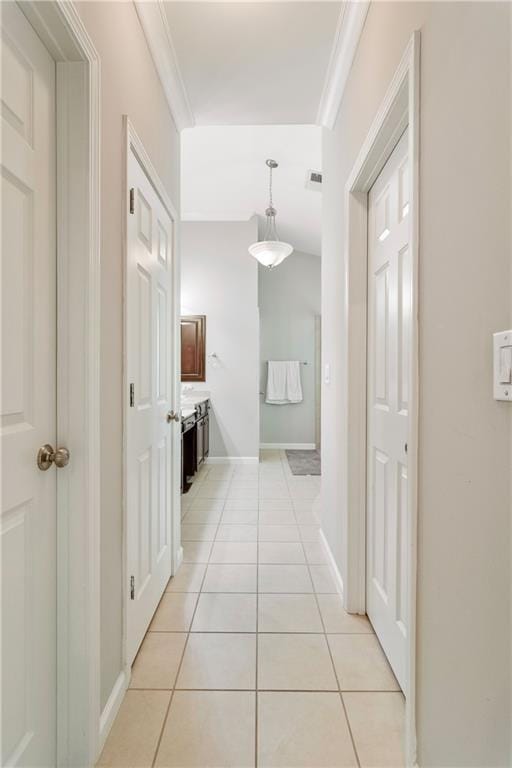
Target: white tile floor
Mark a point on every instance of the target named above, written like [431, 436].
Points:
[250, 658]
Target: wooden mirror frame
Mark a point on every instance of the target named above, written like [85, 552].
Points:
[193, 351]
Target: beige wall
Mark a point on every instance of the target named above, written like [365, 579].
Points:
[465, 294]
[129, 85]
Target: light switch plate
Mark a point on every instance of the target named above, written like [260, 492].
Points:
[502, 355]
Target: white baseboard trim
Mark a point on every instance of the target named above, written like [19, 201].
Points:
[112, 706]
[232, 460]
[332, 563]
[287, 446]
[179, 558]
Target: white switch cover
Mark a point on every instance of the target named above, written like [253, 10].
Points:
[502, 353]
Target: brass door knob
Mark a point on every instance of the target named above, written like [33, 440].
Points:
[46, 456]
[172, 416]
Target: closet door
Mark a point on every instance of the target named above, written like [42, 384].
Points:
[389, 360]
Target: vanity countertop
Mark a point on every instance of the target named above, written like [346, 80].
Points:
[191, 399]
[187, 411]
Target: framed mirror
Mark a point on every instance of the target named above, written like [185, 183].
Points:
[193, 348]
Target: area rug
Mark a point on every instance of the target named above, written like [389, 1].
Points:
[304, 462]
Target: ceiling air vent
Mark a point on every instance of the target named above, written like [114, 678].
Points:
[314, 180]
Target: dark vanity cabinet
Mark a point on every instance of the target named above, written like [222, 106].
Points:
[200, 443]
[188, 451]
[203, 432]
[195, 443]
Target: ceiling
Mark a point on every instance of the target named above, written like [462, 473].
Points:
[249, 80]
[253, 63]
[224, 177]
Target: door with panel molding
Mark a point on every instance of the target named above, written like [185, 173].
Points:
[389, 370]
[28, 396]
[149, 370]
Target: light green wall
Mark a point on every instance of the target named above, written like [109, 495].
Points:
[289, 300]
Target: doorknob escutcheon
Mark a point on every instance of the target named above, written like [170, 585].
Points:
[46, 456]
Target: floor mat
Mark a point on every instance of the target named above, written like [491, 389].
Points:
[304, 462]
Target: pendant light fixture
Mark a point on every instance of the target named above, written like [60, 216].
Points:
[270, 251]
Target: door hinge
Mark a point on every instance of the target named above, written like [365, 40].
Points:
[132, 395]
[132, 587]
[132, 200]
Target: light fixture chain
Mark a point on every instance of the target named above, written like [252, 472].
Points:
[270, 188]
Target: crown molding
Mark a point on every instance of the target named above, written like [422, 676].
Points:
[159, 39]
[350, 25]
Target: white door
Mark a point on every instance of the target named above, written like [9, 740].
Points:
[28, 396]
[149, 436]
[389, 360]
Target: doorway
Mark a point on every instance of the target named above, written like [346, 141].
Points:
[397, 116]
[290, 317]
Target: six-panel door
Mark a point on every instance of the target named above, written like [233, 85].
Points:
[149, 436]
[389, 360]
[28, 396]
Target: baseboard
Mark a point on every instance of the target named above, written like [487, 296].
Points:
[232, 460]
[178, 559]
[287, 446]
[112, 706]
[332, 563]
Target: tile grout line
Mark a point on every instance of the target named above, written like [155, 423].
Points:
[157, 747]
[273, 690]
[257, 623]
[330, 652]
[257, 632]
[173, 690]
[245, 632]
[325, 634]
[166, 717]
[334, 668]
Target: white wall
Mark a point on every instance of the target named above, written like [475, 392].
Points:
[289, 300]
[464, 640]
[129, 86]
[236, 182]
[220, 280]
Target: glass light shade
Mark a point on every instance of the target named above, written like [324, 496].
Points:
[270, 253]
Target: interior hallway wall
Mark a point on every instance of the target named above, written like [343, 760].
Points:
[219, 279]
[289, 300]
[463, 661]
[129, 85]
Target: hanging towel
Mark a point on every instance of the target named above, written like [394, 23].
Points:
[293, 385]
[283, 382]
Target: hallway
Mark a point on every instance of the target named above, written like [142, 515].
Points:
[238, 235]
[250, 658]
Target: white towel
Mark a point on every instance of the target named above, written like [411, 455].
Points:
[293, 385]
[283, 382]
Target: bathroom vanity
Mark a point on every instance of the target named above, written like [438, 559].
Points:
[195, 437]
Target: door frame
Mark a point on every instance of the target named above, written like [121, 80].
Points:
[62, 31]
[399, 110]
[132, 142]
